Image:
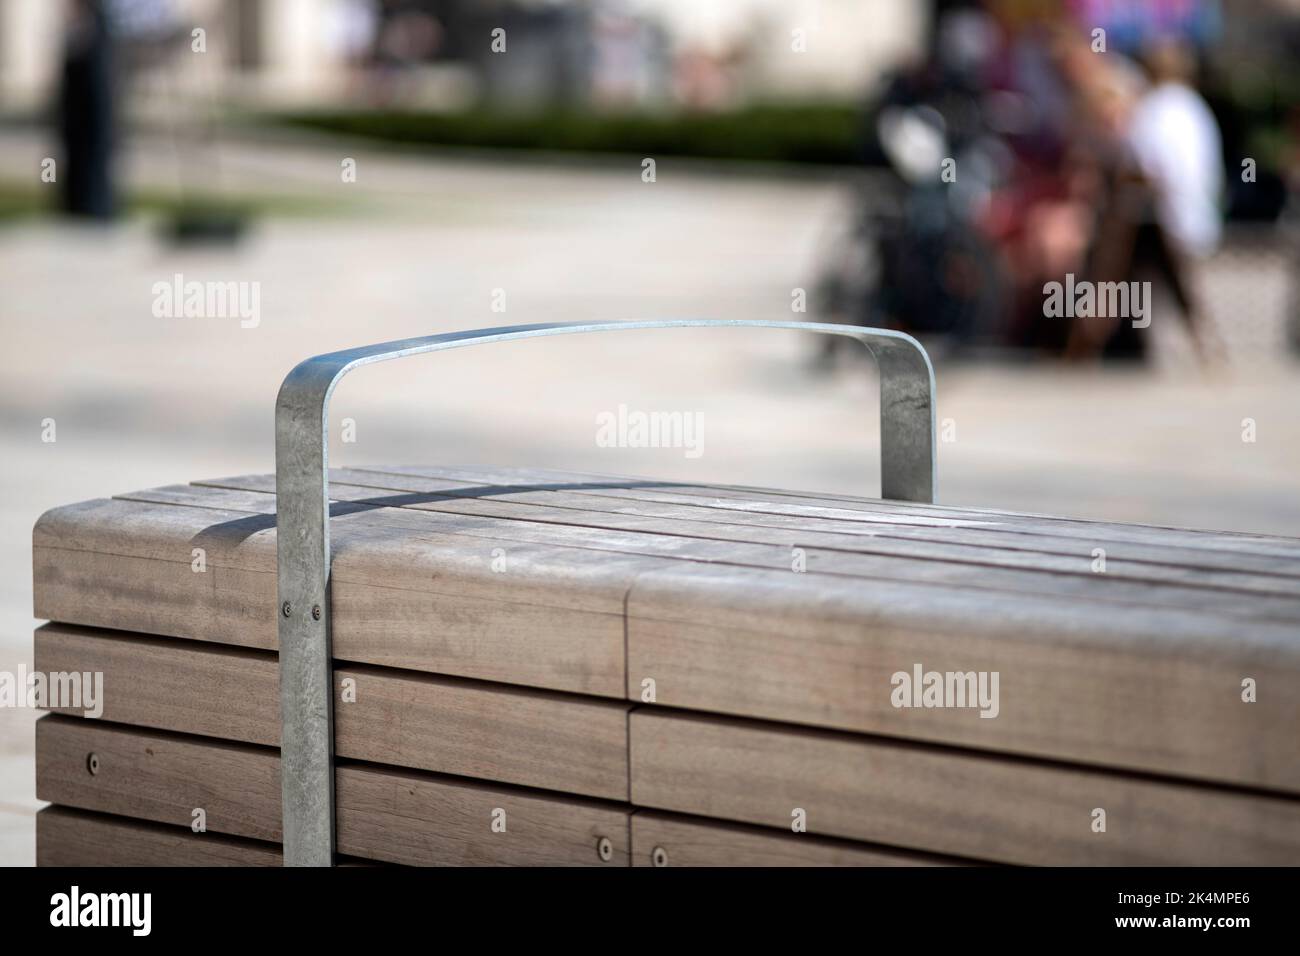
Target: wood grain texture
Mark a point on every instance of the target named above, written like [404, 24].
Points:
[1030, 530]
[1130, 669]
[383, 814]
[1152, 690]
[857, 555]
[829, 547]
[543, 525]
[493, 732]
[402, 594]
[949, 801]
[164, 778]
[393, 551]
[589, 503]
[690, 842]
[67, 837]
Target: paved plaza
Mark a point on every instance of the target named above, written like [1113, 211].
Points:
[420, 245]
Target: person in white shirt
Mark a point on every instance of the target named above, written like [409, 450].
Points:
[1176, 143]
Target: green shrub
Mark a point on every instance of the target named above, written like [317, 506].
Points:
[789, 134]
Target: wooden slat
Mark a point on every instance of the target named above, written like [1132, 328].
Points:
[855, 507]
[1158, 691]
[383, 814]
[1160, 563]
[532, 738]
[689, 842]
[401, 596]
[949, 801]
[75, 838]
[1245, 546]
[819, 536]
[1249, 596]
[1191, 593]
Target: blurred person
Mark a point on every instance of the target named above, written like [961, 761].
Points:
[86, 117]
[1175, 140]
[1087, 229]
[1161, 213]
[917, 256]
[1043, 218]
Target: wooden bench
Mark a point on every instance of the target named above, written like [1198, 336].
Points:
[583, 659]
[436, 665]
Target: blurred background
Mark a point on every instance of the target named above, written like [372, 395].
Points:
[363, 170]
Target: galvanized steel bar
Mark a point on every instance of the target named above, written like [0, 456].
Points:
[907, 473]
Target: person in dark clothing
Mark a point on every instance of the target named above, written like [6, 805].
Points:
[86, 112]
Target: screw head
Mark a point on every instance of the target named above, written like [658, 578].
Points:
[286, 608]
[315, 612]
[659, 856]
[605, 849]
[92, 763]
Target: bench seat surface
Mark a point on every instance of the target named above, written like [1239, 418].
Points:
[676, 669]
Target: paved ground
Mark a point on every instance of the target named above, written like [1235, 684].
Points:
[420, 246]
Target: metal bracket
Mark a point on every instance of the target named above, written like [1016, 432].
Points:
[907, 472]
